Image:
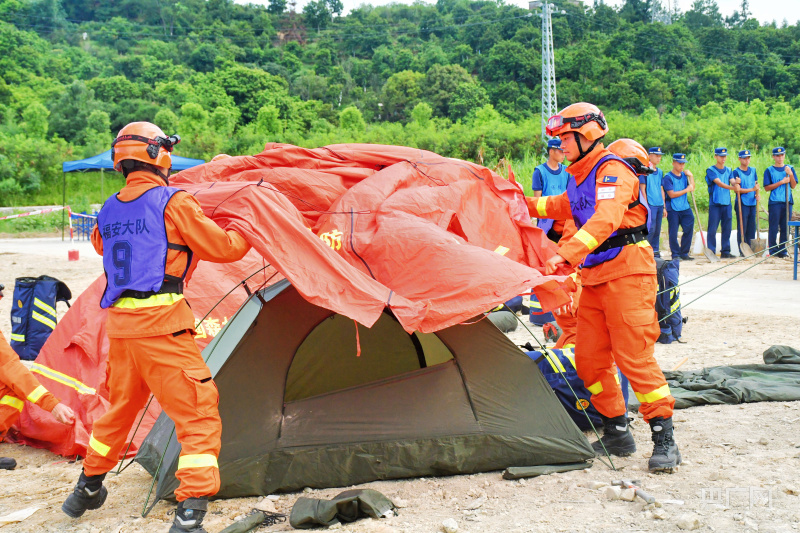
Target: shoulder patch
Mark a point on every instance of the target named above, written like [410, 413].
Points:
[609, 179]
[606, 193]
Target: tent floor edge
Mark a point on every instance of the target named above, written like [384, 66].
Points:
[292, 469]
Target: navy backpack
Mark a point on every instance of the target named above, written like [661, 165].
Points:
[668, 301]
[33, 313]
[560, 364]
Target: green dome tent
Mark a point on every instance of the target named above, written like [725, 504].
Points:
[304, 403]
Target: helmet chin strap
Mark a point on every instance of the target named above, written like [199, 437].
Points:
[129, 166]
[580, 147]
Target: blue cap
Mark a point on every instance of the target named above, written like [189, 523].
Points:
[721, 151]
[744, 153]
[554, 143]
[656, 150]
[779, 150]
[679, 158]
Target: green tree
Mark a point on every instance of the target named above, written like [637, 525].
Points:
[441, 83]
[223, 121]
[740, 16]
[276, 7]
[114, 89]
[422, 113]
[70, 111]
[400, 92]
[251, 88]
[703, 14]
[97, 133]
[204, 57]
[467, 98]
[318, 13]
[269, 124]
[351, 119]
[637, 11]
[35, 120]
[167, 121]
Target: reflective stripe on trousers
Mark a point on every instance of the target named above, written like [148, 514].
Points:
[197, 461]
[652, 396]
[98, 446]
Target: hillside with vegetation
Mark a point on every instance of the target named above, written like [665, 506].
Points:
[458, 77]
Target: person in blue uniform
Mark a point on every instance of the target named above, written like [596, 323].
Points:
[550, 179]
[677, 184]
[718, 179]
[777, 180]
[655, 198]
[746, 183]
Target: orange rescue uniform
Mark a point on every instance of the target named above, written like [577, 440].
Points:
[17, 385]
[152, 349]
[617, 321]
[568, 322]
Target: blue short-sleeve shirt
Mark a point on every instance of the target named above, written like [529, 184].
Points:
[671, 182]
[550, 182]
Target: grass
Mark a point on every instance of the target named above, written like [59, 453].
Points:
[47, 223]
[83, 190]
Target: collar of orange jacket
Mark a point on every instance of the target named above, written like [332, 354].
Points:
[582, 168]
[142, 177]
[138, 183]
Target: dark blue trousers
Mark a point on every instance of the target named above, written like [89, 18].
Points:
[720, 214]
[684, 219]
[654, 236]
[746, 220]
[778, 223]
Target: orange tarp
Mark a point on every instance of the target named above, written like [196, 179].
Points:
[355, 228]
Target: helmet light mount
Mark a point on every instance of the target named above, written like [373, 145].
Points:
[153, 145]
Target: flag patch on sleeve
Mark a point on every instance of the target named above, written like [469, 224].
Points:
[606, 193]
[609, 179]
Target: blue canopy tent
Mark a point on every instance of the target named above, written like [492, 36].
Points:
[103, 162]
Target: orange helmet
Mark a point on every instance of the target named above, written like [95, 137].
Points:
[219, 157]
[633, 153]
[143, 142]
[582, 118]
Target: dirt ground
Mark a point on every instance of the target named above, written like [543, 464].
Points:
[741, 467]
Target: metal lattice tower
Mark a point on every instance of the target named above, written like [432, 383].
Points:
[549, 98]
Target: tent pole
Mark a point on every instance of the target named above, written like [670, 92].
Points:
[63, 201]
[102, 184]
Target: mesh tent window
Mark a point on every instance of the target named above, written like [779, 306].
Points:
[326, 360]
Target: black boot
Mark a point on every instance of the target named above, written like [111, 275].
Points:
[7, 463]
[617, 437]
[189, 516]
[89, 494]
[666, 455]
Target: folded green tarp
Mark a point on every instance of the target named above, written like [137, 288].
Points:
[519, 472]
[778, 380]
[348, 506]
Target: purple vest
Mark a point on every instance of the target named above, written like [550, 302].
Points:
[582, 203]
[134, 243]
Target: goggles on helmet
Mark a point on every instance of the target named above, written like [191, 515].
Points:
[556, 122]
[153, 145]
[638, 167]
